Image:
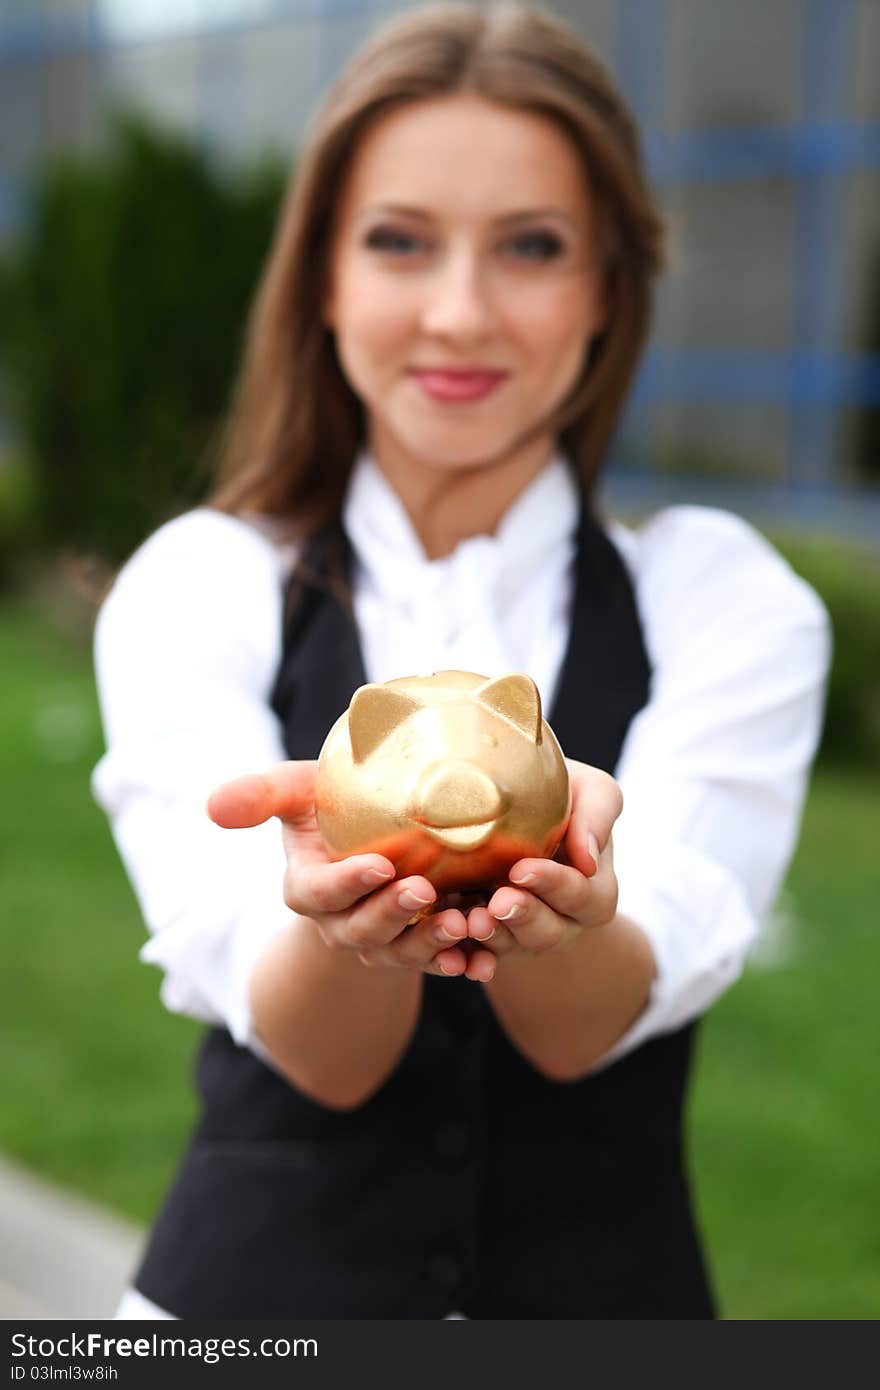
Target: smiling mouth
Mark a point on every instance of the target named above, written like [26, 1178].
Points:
[462, 837]
[458, 385]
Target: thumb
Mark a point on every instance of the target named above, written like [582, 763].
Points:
[287, 791]
[596, 803]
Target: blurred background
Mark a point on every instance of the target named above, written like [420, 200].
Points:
[144, 145]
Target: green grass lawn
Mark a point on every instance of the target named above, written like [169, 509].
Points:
[96, 1077]
[784, 1123]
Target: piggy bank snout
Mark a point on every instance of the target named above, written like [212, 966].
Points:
[458, 803]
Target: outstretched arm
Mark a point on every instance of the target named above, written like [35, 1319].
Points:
[572, 974]
[334, 1024]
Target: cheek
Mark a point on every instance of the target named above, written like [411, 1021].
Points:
[371, 316]
[558, 322]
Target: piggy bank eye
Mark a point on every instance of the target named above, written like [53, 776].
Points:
[516, 698]
[374, 712]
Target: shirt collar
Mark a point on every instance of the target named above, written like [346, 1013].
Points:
[540, 521]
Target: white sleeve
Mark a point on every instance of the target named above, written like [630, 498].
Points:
[187, 646]
[714, 769]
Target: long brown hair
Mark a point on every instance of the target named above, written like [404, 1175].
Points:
[295, 423]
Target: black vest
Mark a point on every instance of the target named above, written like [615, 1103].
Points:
[468, 1180]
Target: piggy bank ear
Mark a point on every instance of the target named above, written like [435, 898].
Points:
[372, 715]
[516, 698]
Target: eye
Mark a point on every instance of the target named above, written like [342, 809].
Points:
[392, 240]
[538, 246]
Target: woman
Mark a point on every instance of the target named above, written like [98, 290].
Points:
[443, 339]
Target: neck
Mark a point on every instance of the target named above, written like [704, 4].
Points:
[448, 505]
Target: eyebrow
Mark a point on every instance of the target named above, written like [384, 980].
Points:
[508, 218]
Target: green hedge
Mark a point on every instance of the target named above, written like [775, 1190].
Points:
[121, 324]
[19, 516]
[847, 576]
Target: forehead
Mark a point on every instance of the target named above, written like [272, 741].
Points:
[467, 153]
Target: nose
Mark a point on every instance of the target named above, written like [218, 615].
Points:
[458, 804]
[459, 302]
[457, 793]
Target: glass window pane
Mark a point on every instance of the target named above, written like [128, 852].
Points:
[733, 64]
[730, 285]
[866, 75]
[279, 75]
[860, 329]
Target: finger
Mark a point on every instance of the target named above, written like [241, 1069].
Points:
[444, 929]
[315, 887]
[481, 966]
[287, 790]
[451, 962]
[562, 887]
[532, 924]
[446, 963]
[383, 915]
[433, 942]
[596, 803]
[487, 930]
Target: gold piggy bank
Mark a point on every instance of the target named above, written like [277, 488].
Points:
[453, 776]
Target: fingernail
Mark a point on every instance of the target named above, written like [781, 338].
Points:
[484, 936]
[523, 878]
[514, 911]
[445, 934]
[593, 846]
[371, 877]
[410, 900]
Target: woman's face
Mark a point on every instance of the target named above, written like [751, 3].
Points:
[464, 239]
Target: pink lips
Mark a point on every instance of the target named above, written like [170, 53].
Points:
[458, 385]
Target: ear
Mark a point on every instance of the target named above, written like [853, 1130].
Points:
[515, 698]
[374, 712]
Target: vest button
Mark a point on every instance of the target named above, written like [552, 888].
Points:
[444, 1272]
[451, 1141]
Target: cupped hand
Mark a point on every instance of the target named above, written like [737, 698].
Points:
[356, 903]
[549, 903]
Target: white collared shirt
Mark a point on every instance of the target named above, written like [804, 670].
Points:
[713, 769]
